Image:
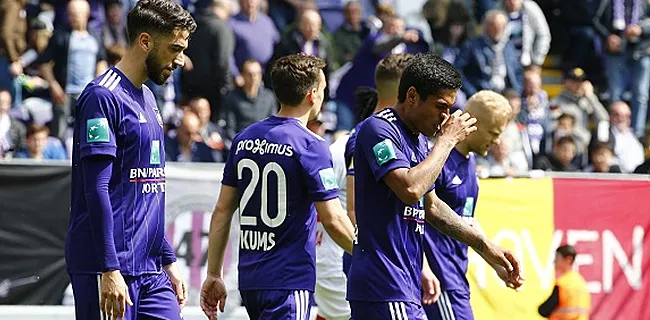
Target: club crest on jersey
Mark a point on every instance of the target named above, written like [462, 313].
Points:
[384, 151]
[328, 178]
[97, 130]
[158, 116]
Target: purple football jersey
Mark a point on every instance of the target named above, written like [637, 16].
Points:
[387, 256]
[117, 120]
[457, 186]
[280, 169]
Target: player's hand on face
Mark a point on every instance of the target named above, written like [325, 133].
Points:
[457, 126]
[114, 295]
[213, 296]
[178, 283]
[430, 287]
[502, 258]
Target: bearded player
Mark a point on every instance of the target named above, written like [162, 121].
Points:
[119, 260]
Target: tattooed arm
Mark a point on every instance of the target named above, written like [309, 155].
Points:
[440, 216]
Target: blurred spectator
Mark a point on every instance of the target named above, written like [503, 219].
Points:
[247, 104]
[578, 99]
[307, 38]
[515, 135]
[529, 31]
[114, 33]
[350, 35]
[184, 144]
[96, 14]
[12, 132]
[566, 128]
[625, 27]
[210, 48]
[210, 132]
[383, 11]
[564, 150]
[283, 12]
[255, 36]
[644, 168]
[627, 147]
[535, 109]
[601, 159]
[13, 32]
[451, 25]
[577, 28]
[500, 164]
[490, 62]
[40, 147]
[394, 38]
[78, 57]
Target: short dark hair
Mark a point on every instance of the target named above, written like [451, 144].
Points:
[429, 75]
[294, 75]
[567, 251]
[157, 17]
[35, 128]
[599, 146]
[566, 115]
[565, 139]
[392, 67]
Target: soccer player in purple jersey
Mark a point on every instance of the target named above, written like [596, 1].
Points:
[457, 186]
[116, 249]
[395, 175]
[369, 101]
[279, 174]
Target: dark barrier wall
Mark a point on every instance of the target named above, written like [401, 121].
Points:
[34, 206]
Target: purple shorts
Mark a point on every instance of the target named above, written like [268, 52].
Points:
[452, 305]
[397, 310]
[152, 295]
[277, 304]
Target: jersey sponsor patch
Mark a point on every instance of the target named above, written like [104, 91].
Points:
[328, 178]
[154, 156]
[97, 130]
[384, 151]
[468, 209]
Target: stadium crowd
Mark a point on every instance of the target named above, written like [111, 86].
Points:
[596, 122]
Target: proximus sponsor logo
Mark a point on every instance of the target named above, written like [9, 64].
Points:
[263, 147]
[152, 180]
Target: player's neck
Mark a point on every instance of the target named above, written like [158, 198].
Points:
[133, 70]
[383, 103]
[463, 148]
[300, 112]
[401, 113]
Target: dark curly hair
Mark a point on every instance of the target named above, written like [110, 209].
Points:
[157, 17]
[294, 75]
[429, 75]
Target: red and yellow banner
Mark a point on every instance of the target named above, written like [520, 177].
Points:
[606, 220]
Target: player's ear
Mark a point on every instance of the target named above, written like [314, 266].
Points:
[412, 96]
[312, 95]
[145, 40]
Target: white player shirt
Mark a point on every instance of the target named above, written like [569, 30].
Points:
[329, 256]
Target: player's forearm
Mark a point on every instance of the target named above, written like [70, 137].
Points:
[420, 178]
[97, 172]
[342, 231]
[218, 239]
[439, 215]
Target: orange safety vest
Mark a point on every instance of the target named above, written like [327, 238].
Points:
[574, 298]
